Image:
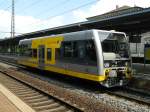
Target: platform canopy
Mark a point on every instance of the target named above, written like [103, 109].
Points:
[133, 20]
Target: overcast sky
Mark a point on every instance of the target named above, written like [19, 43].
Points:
[33, 15]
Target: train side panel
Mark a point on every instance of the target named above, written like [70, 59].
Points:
[50, 57]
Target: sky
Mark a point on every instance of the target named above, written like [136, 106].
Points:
[34, 15]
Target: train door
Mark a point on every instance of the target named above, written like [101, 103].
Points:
[41, 55]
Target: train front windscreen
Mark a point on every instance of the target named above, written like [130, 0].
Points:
[115, 50]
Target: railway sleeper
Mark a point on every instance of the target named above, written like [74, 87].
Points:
[32, 97]
[69, 110]
[46, 107]
[12, 83]
[17, 88]
[16, 85]
[21, 89]
[38, 100]
[43, 103]
[22, 92]
[28, 94]
[58, 109]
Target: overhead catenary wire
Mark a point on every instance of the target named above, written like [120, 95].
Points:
[8, 8]
[73, 9]
[4, 33]
[30, 5]
[68, 11]
[9, 32]
[54, 7]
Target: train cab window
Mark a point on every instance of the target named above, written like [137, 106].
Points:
[34, 53]
[49, 53]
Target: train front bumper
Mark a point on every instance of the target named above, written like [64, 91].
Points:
[117, 77]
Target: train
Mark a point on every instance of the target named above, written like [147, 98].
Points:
[95, 55]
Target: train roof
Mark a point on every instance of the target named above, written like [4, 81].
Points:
[71, 35]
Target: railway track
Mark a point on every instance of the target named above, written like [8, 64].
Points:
[64, 97]
[132, 95]
[126, 92]
[38, 100]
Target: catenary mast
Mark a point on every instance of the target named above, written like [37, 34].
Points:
[13, 20]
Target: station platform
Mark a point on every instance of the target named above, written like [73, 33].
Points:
[141, 68]
[11, 103]
[6, 105]
[10, 58]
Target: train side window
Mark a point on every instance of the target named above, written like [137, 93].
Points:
[49, 53]
[87, 52]
[81, 49]
[34, 53]
[90, 50]
[25, 51]
[28, 52]
[79, 52]
[68, 49]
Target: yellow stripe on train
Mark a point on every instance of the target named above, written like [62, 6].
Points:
[92, 77]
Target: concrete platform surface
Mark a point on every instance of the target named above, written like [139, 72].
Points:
[11, 103]
[6, 105]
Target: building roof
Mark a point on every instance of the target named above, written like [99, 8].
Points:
[118, 11]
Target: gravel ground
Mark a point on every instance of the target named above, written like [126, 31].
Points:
[114, 101]
[124, 104]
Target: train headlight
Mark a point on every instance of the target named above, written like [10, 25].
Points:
[113, 73]
[106, 65]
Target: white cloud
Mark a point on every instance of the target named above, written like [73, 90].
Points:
[29, 24]
[103, 6]
[25, 24]
[80, 15]
[4, 18]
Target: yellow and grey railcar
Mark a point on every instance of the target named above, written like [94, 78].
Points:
[95, 55]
